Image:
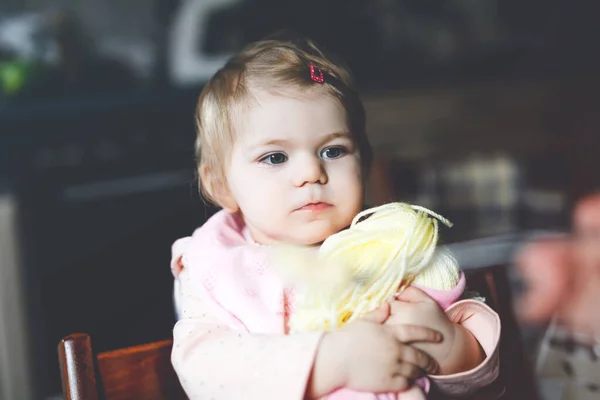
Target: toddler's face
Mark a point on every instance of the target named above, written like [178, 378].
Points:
[295, 171]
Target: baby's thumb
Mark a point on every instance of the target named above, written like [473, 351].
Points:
[414, 295]
[380, 314]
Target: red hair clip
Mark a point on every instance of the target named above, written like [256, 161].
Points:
[316, 74]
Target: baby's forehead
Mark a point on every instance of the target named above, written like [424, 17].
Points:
[290, 118]
[278, 103]
[275, 96]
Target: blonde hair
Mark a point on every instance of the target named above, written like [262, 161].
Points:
[279, 66]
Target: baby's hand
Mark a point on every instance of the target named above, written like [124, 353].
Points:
[459, 350]
[379, 357]
[367, 356]
[413, 306]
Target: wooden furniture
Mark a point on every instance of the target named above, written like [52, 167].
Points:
[141, 372]
[517, 379]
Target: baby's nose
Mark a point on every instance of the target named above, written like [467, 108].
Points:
[311, 171]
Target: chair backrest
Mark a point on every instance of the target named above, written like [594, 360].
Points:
[516, 380]
[141, 372]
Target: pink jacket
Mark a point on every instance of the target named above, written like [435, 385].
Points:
[231, 340]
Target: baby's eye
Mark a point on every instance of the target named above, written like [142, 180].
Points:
[333, 152]
[274, 158]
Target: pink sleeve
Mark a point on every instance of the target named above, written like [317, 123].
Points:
[484, 324]
[214, 358]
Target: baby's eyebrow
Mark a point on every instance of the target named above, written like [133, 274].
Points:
[336, 135]
[271, 142]
[283, 142]
[275, 141]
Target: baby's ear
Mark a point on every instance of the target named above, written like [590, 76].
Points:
[216, 190]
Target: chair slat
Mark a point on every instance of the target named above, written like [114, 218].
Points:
[141, 372]
[77, 367]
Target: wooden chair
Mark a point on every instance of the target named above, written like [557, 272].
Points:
[141, 372]
[516, 380]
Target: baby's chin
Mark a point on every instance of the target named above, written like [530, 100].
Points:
[313, 237]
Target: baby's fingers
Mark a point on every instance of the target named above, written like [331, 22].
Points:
[414, 295]
[379, 315]
[406, 333]
[408, 371]
[399, 383]
[411, 357]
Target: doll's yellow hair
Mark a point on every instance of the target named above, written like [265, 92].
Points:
[385, 249]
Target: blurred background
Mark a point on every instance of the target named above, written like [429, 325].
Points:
[484, 110]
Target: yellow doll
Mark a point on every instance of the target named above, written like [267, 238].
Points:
[354, 271]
